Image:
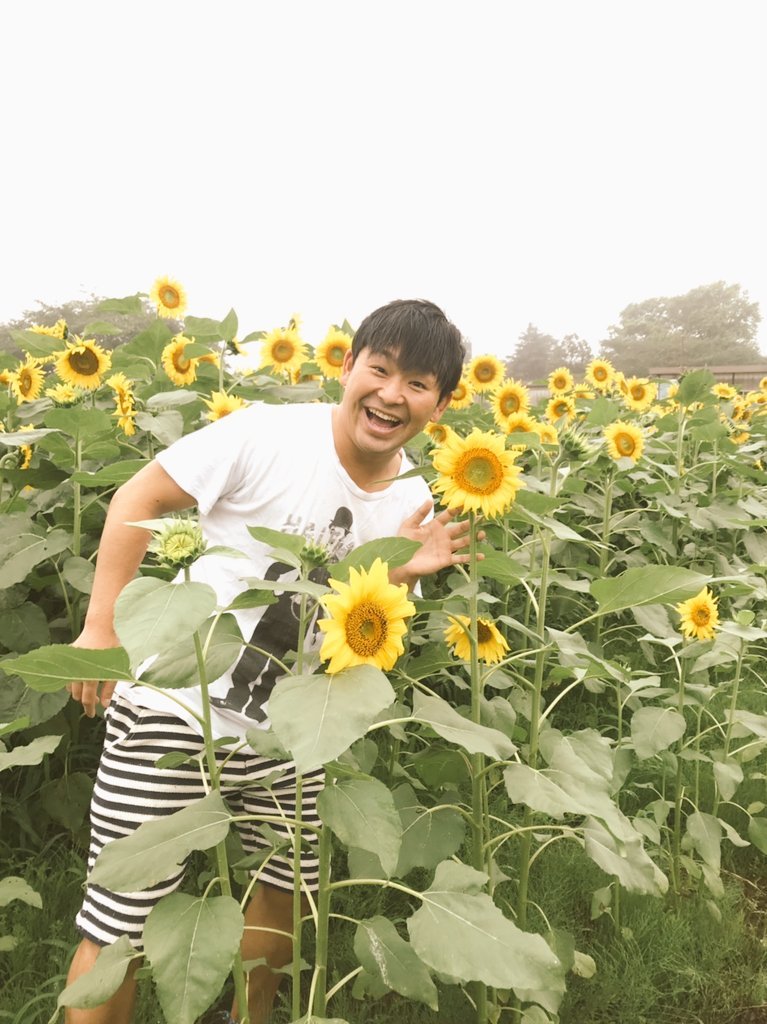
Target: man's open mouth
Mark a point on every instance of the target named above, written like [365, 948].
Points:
[382, 420]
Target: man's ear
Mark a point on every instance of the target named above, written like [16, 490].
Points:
[441, 406]
[346, 366]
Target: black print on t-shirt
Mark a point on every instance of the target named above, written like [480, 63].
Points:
[276, 632]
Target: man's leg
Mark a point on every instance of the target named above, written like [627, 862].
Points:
[119, 1008]
[270, 908]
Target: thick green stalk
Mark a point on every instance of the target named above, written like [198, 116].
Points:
[535, 718]
[319, 1002]
[604, 553]
[676, 836]
[222, 863]
[297, 912]
[478, 777]
[731, 716]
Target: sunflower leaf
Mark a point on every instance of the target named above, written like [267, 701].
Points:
[648, 584]
[395, 551]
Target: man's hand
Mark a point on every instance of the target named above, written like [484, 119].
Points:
[87, 691]
[444, 541]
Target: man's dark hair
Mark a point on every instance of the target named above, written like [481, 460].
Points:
[419, 335]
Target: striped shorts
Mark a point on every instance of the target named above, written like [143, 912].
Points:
[129, 790]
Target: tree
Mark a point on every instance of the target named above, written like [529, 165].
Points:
[711, 325]
[85, 318]
[536, 355]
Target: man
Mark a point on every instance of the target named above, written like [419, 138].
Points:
[308, 469]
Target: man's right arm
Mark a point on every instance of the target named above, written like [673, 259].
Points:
[150, 494]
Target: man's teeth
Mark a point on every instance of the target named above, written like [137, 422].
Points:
[383, 416]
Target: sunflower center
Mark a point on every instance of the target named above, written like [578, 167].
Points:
[625, 444]
[366, 629]
[638, 392]
[560, 408]
[335, 355]
[25, 382]
[180, 362]
[484, 372]
[701, 616]
[509, 404]
[283, 352]
[479, 472]
[460, 392]
[170, 297]
[439, 433]
[85, 362]
[560, 383]
[484, 633]
[600, 373]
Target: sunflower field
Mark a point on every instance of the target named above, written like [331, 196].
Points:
[542, 771]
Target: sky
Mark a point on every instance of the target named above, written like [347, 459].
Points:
[546, 162]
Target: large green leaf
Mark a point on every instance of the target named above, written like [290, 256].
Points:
[15, 888]
[650, 584]
[51, 668]
[191, 943]
[625, 858]
[447, 723]
[158, 848]
[429, 834]
[27, 547]
[30, 753]
[460, 932]
[117, 473]
[317, 717]
[705, 834]
[17, 700]
[395, 551]
[79, 421]
[384, 953]
[655, 729]
[177, 667]
[23, 627]
[152, 616]
[362, 813]
[103, 979]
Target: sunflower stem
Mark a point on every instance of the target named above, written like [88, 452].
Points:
[295, 973]
[604, 553]
[222, 862]
[478, 777]
[676, 838]
[535, 718]
[730, 718]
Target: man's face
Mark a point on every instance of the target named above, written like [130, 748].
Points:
[382, 406]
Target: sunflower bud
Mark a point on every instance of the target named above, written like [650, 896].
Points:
[179, 543]
[314, 555]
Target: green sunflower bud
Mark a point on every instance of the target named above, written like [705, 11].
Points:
[314, 555]
[179, 543]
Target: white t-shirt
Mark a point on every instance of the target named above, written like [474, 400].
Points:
[274, 466]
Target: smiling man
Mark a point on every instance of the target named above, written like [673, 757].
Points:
[309, 469]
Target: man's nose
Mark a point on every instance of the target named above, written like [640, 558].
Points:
[390, 390]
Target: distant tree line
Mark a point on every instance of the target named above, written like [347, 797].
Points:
[714, 325]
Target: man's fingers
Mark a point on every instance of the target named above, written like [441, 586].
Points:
[87, 694]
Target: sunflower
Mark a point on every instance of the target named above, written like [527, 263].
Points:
[282, 349]
[477, 473]
[438, 432]
[546, 432]
[640, 394]
[624, 441]
[490, 643]
[169, 297]
[329, 354]
[220, 404]
[58, 330]
[740, 437]
[560, 406]
[509, 397]
[740, 411]
[64, 394]
[600, 374]
[180, 369]
[82, 363]
[27, 380]
[6, 376]
[560, 381]
[485, 373]
[463, 394]
[724, 391]
[699, 616]
[583, 392]
[520, 423]
[367, 620]
[123, 389]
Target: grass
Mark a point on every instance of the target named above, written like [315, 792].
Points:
[672, 964]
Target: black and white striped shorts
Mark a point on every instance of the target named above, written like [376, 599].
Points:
[130, 789]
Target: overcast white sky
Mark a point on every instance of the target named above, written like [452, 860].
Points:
[544, 162]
